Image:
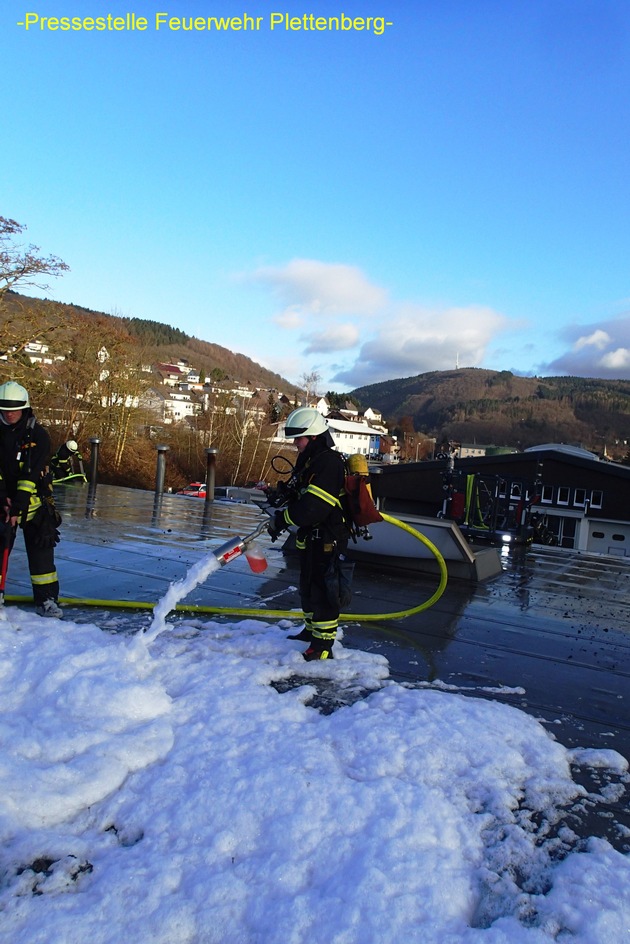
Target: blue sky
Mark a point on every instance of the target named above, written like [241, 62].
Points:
[365, 205]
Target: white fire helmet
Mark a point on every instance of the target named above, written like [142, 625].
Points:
[71, 446]
[13, 396]
[305, 421]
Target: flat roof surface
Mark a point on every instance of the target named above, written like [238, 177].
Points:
[550, 635]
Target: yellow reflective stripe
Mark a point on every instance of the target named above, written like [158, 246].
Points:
[288, 518]
[326, 631]
[33, 507]
[39, 580]
[324, 625]
[25, 485]
[300, 543]
[325, 496]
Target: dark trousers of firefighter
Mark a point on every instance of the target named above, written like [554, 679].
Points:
[321, 615]
[41, 565]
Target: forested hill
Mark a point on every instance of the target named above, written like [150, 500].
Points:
[486, 406]
[466, 405]
[156, 342]
[154, 333]
[167, 342]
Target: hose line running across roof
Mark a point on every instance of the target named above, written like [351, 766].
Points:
[277, 614]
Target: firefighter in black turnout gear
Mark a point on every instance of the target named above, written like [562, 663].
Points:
[26, 493]
[314, 506]
[62, 463]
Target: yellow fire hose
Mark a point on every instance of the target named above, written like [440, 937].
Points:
[276, 614]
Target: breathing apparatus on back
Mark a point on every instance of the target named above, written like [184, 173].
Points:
[358, 503]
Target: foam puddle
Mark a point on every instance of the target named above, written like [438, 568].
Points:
[182, 799]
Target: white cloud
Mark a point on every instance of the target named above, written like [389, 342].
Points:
[599, 350]
[616, 360]
[336, 308]
[323, 288]
[290, 319]
[335, 338]
[598, 339]
[421, 340]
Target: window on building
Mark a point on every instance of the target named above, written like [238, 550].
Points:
[546, 495]
[563, 494]
[598, 534]
[619, 537]
[597, 499]
[579, 497]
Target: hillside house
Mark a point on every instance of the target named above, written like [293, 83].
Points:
[38, 352]
[467, 451]
[169, 374]
[168, 407]
[355, 437]
[375, 419]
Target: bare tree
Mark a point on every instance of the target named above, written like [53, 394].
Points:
[24, 321]
[310, 383]
[23, 265]
[96, 387]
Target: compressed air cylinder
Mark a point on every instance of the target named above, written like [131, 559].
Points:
[357, 464]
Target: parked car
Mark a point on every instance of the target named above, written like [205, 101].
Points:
[226, 493]
[196, 489]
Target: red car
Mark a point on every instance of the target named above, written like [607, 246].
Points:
[196, 489]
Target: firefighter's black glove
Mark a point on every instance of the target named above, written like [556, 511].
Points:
[276, 496]
[43, 529]
[271, 495]
[277, 525]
